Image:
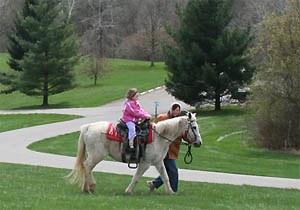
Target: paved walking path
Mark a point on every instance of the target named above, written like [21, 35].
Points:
[13, 144]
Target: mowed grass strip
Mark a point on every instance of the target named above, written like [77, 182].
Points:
[123, 75]
[233, 154]
[38, 188]
[16, 121]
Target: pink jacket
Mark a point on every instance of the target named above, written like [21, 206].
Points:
[132, 111]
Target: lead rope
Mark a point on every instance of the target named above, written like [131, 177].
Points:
[188, 155]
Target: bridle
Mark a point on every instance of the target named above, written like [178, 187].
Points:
[191, 127]
[186, 133]
[189, 144]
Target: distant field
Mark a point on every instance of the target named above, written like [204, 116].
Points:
[124, 74]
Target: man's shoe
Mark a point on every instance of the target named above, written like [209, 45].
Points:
[150, 186]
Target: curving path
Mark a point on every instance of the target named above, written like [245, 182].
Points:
[13, 143]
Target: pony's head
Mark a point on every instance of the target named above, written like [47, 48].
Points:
[192, 131]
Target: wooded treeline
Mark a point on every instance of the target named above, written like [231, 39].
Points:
[129, 28]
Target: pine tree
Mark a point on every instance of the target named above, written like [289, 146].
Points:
[15, 49]
[50, 51]
[208, 59]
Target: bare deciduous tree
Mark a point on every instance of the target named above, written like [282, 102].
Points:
[153, 15]
[264, 8]
[96, 68]
[126, 13]
[8, 11]
[252, 12]
[104, 25]
[69, 7]
[97, 19]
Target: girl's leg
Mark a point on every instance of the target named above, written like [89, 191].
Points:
[131, 133]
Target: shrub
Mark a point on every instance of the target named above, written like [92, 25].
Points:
[275, 94]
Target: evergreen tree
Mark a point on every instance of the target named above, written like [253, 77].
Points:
[50, 51]
[208, 59]
[15, 49]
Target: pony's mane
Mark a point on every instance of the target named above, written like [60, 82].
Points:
[170, 125]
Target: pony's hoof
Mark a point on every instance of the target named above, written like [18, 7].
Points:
[92, 189]
[89, 191]
[128, 192]
[85, 190]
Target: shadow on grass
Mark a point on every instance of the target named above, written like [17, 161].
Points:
[272, 155]
[226, 111]
[50, 106]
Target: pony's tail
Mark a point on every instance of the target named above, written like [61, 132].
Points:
[77, 175]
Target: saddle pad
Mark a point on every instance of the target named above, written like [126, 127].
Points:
[112, 134]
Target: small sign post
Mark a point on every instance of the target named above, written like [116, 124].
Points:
[156, 104]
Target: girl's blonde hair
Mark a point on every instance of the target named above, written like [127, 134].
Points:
[131, 93]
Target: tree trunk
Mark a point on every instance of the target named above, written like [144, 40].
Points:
[152, 63]
[152, 45]
[45, 100]
[45, 92]
[96, 71]
[95, 79]
[217, 102]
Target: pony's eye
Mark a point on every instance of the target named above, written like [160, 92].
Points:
[195, 127]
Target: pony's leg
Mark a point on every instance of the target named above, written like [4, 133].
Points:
[89, 164]
[138, 174]
[164, 176]
[89, 182]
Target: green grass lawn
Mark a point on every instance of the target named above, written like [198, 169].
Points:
[124, 74]
[233, 154]
[16, 121]
[37, 188]
[32, 187]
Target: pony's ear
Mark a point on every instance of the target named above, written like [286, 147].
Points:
[190, 115]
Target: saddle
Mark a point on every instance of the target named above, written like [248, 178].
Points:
[143, 137]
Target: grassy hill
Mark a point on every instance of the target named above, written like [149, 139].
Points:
[124, 74]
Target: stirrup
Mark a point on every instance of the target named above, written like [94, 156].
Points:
[133, 167]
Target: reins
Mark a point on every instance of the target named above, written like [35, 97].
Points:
[169, 140]
[188, 153]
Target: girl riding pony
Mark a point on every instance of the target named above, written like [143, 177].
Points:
[132, 113]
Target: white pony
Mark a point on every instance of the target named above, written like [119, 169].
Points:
[93, 140]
